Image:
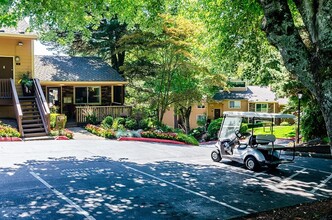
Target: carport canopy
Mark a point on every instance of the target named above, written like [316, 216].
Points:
[256, 115]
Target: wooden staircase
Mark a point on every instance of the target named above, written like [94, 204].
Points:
[32, 123]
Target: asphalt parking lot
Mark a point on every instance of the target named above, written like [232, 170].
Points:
[132, 180]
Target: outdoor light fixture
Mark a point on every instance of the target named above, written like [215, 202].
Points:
[299, 96]
[17, 59]
[20, 44]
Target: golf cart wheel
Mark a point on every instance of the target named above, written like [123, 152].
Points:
[272, 166]
[251, 163]
[215, 155]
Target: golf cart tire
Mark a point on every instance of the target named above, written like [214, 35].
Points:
[272, 166]
[215, 155]
[251, 163]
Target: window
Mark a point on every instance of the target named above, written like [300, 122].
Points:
[201, 106]
[201, 120]
[234, 104]
[261, 107]
[237, 84]
[87, 95]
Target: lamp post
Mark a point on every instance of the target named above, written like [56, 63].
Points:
[299, 96]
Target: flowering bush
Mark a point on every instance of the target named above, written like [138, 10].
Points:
[8, 131]
[99, 131]
[170, 136]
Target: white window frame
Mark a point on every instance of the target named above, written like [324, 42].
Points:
[87, 98]
[267, 107]
[229, 104]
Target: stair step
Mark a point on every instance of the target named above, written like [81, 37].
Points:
[30, 112]
[26, 97]
[30, 117]
[36, 134]
[37, 121]
[27, 109]
[33, 130]
[32, 125]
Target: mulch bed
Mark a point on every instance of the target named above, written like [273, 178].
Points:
[317, 210]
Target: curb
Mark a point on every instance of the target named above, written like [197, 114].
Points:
[151, 140]
[10, 139]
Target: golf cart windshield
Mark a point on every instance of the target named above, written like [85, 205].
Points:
[230, 125]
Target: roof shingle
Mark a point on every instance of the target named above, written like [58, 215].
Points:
[75, 69]
[253, 93]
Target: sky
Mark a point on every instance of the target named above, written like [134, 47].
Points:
[41, 49]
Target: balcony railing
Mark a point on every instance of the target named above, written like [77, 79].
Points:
[5, 89]
[101, 112]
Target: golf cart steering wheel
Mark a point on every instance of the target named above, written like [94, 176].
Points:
[238, 134]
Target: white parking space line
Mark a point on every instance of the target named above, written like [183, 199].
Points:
[187, 190]
[60, 195]
[291, 177]
[311, 169]
[321, 184]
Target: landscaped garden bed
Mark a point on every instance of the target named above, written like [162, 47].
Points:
[131, 129]
[8, 133]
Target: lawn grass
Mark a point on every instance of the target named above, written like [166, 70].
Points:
[278, 131]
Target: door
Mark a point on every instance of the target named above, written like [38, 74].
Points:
[6, 68]
[54, 99]
[216, 113]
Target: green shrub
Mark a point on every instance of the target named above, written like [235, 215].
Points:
[255, 125]
[285, 123]
[312, 123]
[171, 136]
[131, 124]
[63, 132]
[99, 131]
[197, 132]
[117, 122]
[53, 119]
[107, 122]
[143, 124]
[8, 131]
[187, 139]
[214, 127]
[244, 128]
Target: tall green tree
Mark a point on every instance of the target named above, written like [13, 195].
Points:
[102, 42]
[161, 60]
[299, 30]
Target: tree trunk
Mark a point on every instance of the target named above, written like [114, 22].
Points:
[185, 114]
[310, 62]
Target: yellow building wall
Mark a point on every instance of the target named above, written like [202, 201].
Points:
[224, 106]
[9, 48]
[168, 118]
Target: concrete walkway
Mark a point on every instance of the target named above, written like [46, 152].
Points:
[82, 134]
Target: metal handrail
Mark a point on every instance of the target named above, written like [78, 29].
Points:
[17, 107]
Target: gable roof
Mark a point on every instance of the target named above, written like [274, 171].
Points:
[74, 69]
[20, 29]
[253, 94]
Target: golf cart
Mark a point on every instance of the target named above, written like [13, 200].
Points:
[254, 151]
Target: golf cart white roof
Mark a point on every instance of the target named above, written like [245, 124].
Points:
[257, 115]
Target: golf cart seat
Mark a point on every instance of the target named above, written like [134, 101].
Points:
[265, 138]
